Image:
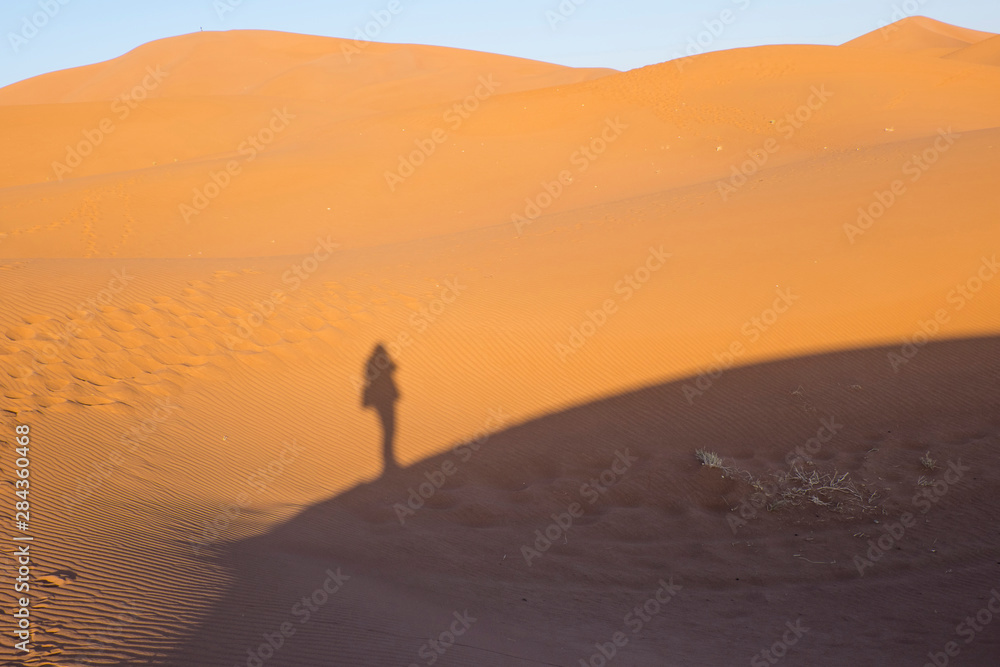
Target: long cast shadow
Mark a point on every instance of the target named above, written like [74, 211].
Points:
[434, 564]
[380, 393]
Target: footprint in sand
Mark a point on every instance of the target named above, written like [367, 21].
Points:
[222, 275]
[106, 346]
[48, 401]
[57, 383]
[199, 346]
[312, 323]
[82, 349]
[138, 308]
[196, 296]
[175, 309]
[212, 317]
[295, 335]
[59, 578]
[154, 318]
[266, 337]
[88, 333]
[15, 394]
[132, 340]
[20, 333]
[91, 376]
[120, 325]
[167, 331]
[144, 362]
[92, 400]
[16, 370]
[193, 321]
[166, 354]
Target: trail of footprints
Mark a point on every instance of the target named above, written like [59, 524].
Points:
[103, 213]
[124, 353]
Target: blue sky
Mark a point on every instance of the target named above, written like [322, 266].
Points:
[608, 33]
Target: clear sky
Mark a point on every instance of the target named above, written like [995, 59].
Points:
[44, 35]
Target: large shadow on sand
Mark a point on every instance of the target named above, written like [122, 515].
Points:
[400, 572]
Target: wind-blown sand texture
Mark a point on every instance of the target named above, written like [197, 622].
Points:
[582, 277]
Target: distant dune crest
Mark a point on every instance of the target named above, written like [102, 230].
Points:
[920, 35]
[100, 144]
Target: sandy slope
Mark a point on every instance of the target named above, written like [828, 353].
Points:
[920, 35]
[194, 382]
[986, 52]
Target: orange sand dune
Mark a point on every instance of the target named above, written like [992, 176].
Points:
[986, 52]
[257, 63]
[187, 167]
[920, 35]
[723, 252]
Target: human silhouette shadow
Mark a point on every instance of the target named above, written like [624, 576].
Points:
[668, 516]
[380, 393]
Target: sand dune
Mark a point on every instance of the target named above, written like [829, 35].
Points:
[358, 176]
[919, 35]
[717, 252]
[260, 63]
[985, 52]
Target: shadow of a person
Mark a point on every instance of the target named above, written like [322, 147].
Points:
[380, 393]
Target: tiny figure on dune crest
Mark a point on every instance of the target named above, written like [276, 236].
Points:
[381, 394]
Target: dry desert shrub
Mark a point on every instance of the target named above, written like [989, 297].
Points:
[800, 486]
[710, 459]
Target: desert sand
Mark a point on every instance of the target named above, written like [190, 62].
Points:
[785, 255]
